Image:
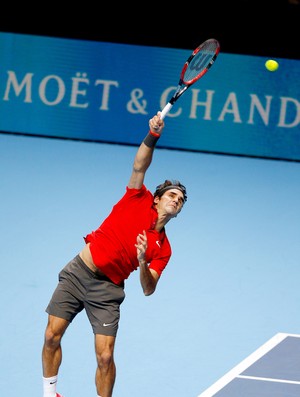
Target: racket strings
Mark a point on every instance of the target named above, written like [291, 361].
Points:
[201, 61]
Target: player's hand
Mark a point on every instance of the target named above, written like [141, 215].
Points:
[156, 124]
[141, 246]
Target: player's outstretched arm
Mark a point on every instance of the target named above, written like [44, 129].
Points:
[143, 157]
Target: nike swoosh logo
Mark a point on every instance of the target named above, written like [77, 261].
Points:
[158, 243]
[106, 324]
[52, 383]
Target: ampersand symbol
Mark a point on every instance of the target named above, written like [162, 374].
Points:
[136, 106]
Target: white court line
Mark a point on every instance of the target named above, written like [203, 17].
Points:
[294, 382]
[265, 348]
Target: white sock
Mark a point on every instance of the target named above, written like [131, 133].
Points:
[49, 386]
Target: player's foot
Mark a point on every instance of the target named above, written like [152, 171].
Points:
[58, 395]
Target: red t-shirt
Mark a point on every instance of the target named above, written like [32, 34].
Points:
[112, 245]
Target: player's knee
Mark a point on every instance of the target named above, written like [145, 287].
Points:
[104, 359]
[52, 338]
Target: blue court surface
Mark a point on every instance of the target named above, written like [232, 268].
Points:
[272, 370]
[232, 283]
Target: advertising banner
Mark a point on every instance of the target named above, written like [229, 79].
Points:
[107, 92]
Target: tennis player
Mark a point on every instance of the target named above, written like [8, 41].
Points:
[132, 236]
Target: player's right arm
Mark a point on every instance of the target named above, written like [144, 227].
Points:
[143, 157]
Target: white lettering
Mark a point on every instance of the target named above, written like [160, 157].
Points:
[106, 89]
[137, 104]
[264, 112]
[231, 107]
[207, 104]
[59, 94]
[52, 90]
[12, 81]
[283, 112]
[76, 91]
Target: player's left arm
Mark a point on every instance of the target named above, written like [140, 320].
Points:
[148, 277]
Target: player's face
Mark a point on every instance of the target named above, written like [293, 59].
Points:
[171, 202]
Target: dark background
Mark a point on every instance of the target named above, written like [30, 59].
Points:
[258, 27]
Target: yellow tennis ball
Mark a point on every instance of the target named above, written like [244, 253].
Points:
[272, 65]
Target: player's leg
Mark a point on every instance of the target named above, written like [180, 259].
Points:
[102, 305]
[52, 354]
[106, 369]
[66, 302]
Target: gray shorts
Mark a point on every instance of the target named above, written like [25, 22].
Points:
[80, 288]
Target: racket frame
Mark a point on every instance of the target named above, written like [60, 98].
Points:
[184, 85]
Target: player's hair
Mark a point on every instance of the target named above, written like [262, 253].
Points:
[170, 184]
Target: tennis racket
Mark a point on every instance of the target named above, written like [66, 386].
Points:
[198, 63]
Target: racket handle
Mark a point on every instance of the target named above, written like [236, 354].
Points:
[166, 110]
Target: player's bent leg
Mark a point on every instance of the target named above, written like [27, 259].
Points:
[106, 369]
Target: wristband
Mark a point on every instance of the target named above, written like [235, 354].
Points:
[151, 139]
[154, 133]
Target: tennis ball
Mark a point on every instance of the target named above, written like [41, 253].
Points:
[271, 65]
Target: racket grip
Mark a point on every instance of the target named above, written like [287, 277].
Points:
[165, 110]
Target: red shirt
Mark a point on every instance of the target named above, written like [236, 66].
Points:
[112, 245]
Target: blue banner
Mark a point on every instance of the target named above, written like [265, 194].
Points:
[106, 92]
